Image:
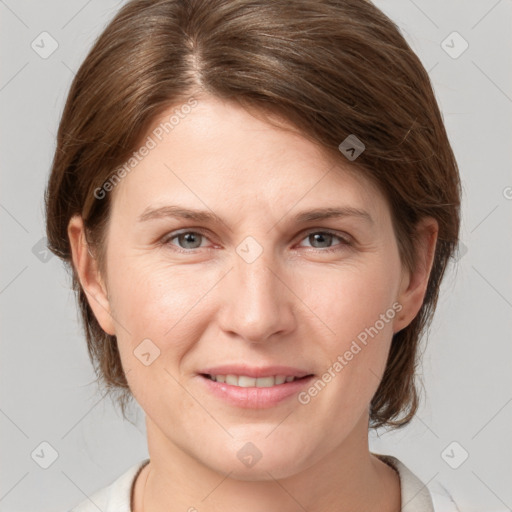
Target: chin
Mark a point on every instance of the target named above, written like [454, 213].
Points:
[260, 461]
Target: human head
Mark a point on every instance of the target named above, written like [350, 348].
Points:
[350, 72]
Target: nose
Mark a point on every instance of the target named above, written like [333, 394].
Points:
[257, 303]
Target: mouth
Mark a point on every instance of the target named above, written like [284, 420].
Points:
[247, 387]
[245, 381]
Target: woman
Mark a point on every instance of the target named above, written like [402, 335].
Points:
[258, 201]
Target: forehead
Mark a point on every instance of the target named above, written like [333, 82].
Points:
[219, 156]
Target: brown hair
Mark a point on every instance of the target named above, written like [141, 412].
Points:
[329, 68]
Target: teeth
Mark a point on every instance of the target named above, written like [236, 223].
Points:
[243, 381]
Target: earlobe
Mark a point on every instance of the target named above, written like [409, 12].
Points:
[92, 282]
[414, 284]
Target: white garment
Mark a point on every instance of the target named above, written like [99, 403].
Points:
[416, 497]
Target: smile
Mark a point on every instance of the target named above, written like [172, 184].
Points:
[244, 381]
[247, 392]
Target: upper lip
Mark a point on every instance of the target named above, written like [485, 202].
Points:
[255, 371]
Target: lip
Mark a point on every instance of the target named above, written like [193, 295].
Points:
[254, 397]
[255, 372]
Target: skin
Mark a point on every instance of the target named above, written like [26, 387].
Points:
[296, 305]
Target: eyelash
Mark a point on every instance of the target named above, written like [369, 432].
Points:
[345, 241]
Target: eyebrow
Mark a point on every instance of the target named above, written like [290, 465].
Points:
[315, 214]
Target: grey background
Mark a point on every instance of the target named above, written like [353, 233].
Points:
[47, 383]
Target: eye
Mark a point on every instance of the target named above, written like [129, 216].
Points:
[325, 238]
[321, 241]
[187, 240]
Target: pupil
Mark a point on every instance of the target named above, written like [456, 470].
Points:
[189, 238]
[324, 236]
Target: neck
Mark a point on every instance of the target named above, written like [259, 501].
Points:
[349, 478]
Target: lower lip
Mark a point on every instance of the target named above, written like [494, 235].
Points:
[254, 397]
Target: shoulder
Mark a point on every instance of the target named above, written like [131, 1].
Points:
[418, 496]
[116, 496]
[443, 500]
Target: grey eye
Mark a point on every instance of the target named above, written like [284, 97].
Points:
[321, 238]
[190, 239]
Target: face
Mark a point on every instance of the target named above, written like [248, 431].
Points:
[251, 286]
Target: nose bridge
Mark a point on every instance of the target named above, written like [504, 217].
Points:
[257, 303]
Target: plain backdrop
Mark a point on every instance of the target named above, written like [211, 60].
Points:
[48, 394]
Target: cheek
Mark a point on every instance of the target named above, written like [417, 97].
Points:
[159, 310]
[154, 298]
[357, 307]
[351, 300]
[155, 307]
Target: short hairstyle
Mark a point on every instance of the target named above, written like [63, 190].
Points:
[329, 68]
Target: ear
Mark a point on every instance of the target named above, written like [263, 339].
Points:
[92, 282]
[413, 285]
